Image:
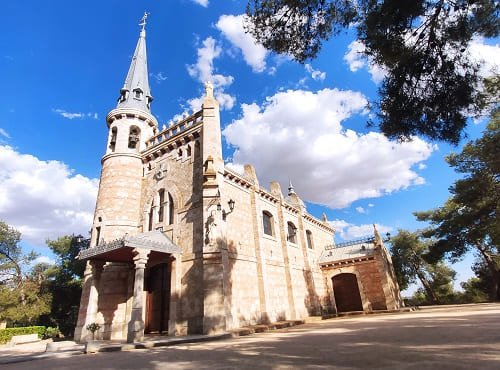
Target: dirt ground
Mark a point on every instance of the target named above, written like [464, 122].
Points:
[443, 337]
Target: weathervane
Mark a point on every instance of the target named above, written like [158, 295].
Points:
[143, 19]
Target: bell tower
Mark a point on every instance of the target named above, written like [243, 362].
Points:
[130, 124]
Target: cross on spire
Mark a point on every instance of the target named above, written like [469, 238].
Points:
[143, 19]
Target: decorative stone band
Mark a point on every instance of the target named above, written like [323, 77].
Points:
[120, 113]
[151, 240]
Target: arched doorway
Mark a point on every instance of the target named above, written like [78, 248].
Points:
[158, 299]
[346, 291]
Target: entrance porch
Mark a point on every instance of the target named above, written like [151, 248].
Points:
[131, 284]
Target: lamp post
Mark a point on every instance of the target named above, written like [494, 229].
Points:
[231, 204]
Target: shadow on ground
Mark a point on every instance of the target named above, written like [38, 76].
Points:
[458, 338]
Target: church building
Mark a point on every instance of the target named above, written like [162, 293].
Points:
[181, 244]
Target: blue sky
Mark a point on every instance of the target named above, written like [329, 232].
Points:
[63, 64]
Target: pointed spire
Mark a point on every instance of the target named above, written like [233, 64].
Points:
[135, 92]
[291, 190]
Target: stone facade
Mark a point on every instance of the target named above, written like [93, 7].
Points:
[247, 255]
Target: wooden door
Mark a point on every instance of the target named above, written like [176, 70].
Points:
[346, 291]
[158, 299]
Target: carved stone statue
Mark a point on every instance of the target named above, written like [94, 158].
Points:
[211, 229]
[209, 89]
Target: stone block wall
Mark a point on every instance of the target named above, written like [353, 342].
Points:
[292, 285]
[118, 203]
[370, 283]
[115, 300]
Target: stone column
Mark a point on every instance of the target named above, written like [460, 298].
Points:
[90, 298]
[286, 259]
[313, 306]
[136, 323]
[174, 323]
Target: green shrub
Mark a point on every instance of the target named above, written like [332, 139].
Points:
[52, 333]
[7, 334]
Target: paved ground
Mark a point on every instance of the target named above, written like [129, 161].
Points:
[453, 337]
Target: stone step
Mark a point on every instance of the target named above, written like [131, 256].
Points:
[251, 329]
[312, 319]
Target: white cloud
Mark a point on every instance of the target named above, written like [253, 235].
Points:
[357, 60]
[371, 205]
[69, 115]
[346, 230]
[43, 259]
[43, 199]
[195, 103]
[254, 54]
[422, 166]
[298, 135]
[203, 3]
[204, 67]
[225, 101]
[203, 71]
[316, 75]
[360, 209]
[4, 133]
[487, 55]
[159, 77]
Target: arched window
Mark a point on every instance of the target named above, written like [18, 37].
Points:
[188, 151]
[267, 223]
[133, 137]
[112, 140]
[170, 210]
[292, 233]
[309, 239]
[179, 153]
[161, 195]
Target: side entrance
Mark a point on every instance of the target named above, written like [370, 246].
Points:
[346, 291]
[158, 299]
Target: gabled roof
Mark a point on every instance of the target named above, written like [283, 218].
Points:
[120, 249]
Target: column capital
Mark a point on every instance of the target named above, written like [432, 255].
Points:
[140, 257]
[93, 267]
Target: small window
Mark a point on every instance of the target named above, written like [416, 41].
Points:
[161, 195]
[188, 151]
[97, 235]
[137, 94]
[170, 210]
[179, 153]
[197, 149]
[309, 239]
[267, 222]
[292, 233]
[112, 140]
[133, 137]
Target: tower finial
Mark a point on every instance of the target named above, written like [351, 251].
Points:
[143, 19]
[291, 190]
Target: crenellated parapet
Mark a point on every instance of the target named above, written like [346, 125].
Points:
[176, 130]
